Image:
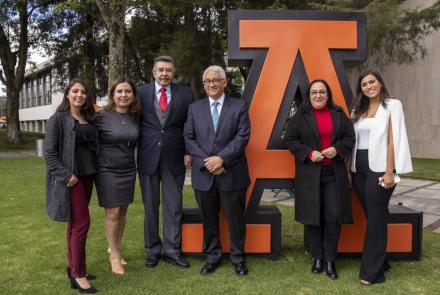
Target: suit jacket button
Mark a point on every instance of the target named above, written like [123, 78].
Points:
[161, 131]
[158, 143]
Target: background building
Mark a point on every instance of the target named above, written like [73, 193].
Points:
[38, 98]
[417, 85]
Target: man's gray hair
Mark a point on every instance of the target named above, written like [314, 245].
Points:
[217, 69]
[163, 58]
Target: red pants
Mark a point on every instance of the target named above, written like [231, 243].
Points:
[78, 227]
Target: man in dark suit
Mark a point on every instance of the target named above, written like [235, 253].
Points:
[216, 134]
[162, 160]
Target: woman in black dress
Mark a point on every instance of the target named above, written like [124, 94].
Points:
[118, 133]
[69, 151]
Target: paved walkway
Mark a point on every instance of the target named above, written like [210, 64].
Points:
[419, 195]
[7, 154]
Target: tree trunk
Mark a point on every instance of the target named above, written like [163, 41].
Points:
[116, 48]
[195, 86]
[13, 133]
[113, 14]
[89, 63]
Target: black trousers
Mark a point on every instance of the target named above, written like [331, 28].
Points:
[234, 206]
[374, 199]
[323, 239]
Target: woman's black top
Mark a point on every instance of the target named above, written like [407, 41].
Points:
[85, 149]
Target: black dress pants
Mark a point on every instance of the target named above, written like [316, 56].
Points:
[374, 199]
[324, 238]
[234, 207]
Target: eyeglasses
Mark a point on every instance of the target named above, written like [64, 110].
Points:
[315, 93]
[213, 81]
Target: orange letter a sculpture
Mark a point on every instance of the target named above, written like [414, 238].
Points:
[285, 50]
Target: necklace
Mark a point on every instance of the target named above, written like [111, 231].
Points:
[123, 118]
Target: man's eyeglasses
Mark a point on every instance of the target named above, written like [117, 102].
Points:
[213, 81]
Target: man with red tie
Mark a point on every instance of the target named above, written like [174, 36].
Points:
[161, 161]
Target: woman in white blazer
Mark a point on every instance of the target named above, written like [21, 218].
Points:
[381, 150]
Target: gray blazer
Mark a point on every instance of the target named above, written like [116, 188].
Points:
[59, 154]
[229, 142]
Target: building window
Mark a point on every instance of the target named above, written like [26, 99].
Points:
[28, 95]
[47, 89]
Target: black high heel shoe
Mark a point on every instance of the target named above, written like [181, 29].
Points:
[90, 277]
[74, 285]
[330, 269]
[317, 266]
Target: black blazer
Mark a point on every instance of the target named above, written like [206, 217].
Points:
[156, 141]
[301, 136]
[228, 142]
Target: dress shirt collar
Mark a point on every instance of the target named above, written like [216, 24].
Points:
[158, 87]
[220, 100]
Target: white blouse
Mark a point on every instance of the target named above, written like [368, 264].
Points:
[363, 130]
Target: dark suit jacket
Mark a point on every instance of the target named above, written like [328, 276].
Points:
[302, 135]
[156, 141]
[228, 142]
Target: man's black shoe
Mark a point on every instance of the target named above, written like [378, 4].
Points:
[240, 269]
[177, 260]
[152, 260]
[209, 268]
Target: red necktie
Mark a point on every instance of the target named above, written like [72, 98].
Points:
[163, 103]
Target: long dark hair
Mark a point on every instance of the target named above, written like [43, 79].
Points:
[87, 109]
[307, 105]
[362, 101]
[135, 106]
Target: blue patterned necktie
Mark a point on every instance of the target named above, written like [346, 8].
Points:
[214, 114]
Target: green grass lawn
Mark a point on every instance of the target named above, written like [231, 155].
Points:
[29, 139]
[425, 169]
[33, 254]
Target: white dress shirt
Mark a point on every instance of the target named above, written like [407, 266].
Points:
[159, 92]
[221, 100]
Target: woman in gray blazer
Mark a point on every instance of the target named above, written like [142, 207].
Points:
[69, 152]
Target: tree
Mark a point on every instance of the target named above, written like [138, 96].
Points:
[81, 45]
[113, 13]
[23, 24]
[193, 32]
[395, 33]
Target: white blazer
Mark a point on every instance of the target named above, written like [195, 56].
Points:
[378, 141]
